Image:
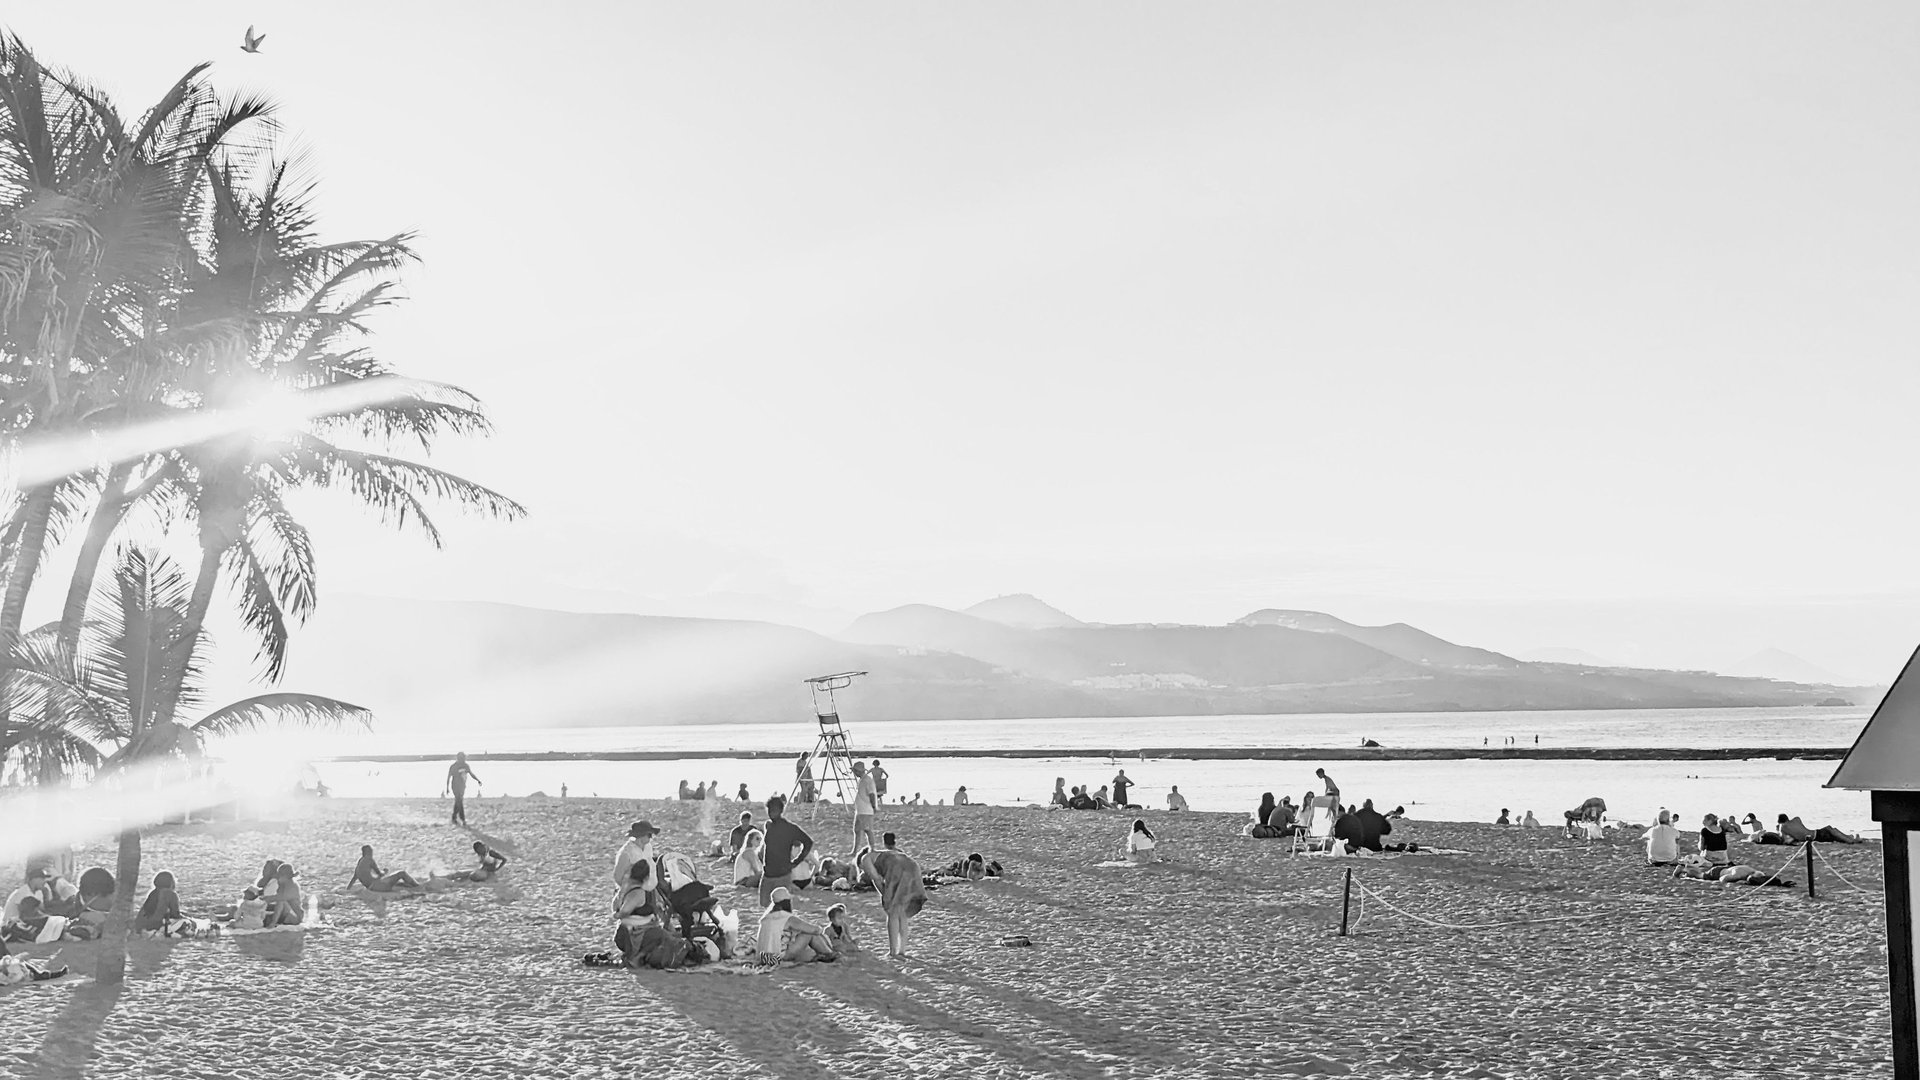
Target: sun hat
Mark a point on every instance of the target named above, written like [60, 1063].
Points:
[642, 828]
[779, 894]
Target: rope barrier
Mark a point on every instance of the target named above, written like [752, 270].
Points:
[1843, 878]
[1791, 859]
[1390, 906]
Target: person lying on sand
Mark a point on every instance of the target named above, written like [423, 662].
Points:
[14, 969]
[1140, 843]
[786, 936]
[161, 906]
[1699, 869]
[1796, 830]
[751, 862]
[367, 873]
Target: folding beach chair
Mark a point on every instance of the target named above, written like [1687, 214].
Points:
[1316, 823]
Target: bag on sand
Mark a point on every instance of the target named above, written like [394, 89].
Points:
[659, 949]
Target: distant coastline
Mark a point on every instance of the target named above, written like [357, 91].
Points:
[1193, 753]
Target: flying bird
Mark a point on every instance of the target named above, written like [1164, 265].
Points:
[252, 43]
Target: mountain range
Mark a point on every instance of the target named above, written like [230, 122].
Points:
[437, 663]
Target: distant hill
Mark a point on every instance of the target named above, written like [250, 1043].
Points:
[1022, 610]
[1568, 656]
[452, 665]
[1776, 664]
[1398, 639]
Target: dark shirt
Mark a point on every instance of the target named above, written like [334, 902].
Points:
[782, 837]
[1120, 791]
[1348, 828]
[457, 774]
[1082, 802]
[160, 905]
[1282, 817]
[1711, 840]
[1373, 825]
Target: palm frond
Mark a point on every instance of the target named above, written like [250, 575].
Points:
[275, 710]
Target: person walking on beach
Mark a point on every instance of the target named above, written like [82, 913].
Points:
[458, 774]
[866, 805]
[1120, 786]
[783, 838]
[803, 777]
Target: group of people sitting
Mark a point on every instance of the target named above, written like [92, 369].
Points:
[1527, 822]
[1080, 799]
[1663, 837]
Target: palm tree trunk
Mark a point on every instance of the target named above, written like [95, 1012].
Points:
[108, 513]
[198, 605]
[111, 967]
[34, 518]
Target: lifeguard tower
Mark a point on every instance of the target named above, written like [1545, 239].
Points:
[830, 762]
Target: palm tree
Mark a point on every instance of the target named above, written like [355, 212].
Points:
[92, 218]
[104, 701]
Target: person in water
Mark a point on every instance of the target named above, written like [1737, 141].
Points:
[458, 774]
[1140, 843]
[367, 873]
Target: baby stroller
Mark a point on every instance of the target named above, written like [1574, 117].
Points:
[691, 901]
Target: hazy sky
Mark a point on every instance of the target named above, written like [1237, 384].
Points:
[1162, 312]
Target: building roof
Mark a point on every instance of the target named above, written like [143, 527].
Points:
[1886, 756]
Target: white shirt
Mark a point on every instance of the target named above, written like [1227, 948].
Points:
[748, 865]
[12, 911]
[1139, 841]
[864, 799]
[1663, 843]
[630, 852]
[773, 931]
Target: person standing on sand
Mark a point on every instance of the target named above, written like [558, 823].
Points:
[1503, 818]
[783, 837]
[458, 774]
[879, 779]
[902, 892]
[743, 796]
[803, 777]
[1120, 786]
[866, 805]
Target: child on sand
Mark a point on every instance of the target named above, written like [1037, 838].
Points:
[786, 936]
[160, 906]
[839, 930]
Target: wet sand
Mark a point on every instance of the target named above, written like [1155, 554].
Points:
[1221, 961]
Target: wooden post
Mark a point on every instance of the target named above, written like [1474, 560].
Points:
[1810, 894]
[1898, 812]
[1346, 902]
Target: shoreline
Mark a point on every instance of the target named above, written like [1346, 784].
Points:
[1190, 753]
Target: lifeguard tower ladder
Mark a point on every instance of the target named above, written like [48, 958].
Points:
[830, 752]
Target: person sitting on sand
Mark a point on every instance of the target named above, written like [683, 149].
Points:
[1059, 791]
[1731, 827]
[1349, 832]
[1663, 842]
[786, 936]
[1101, 800]
[491, 863]
[1529, 822]
[15, 970]
[737, 838]
[960, 797]
[1373, 826]
[742, 794]
[1503, 819]
[39, 885]
[1263, 814]
[1796, 830]
[161, 906]
[686, 792]
[840, 929]
[1284, 819]
[700, 792]
[1713, 841]
[1081, 800]
[751, 861]
[284, 906]
[96, 895]
[1175, 800]
[634, 909]
[902, 892]
[367, 873]
[1140, 843]
[33, 925]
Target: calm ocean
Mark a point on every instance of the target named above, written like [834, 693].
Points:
[1436, 790]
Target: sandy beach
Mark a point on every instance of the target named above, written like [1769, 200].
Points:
[1221, 961]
